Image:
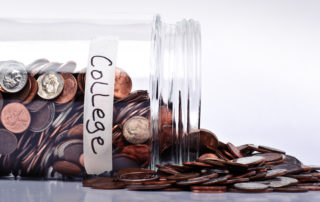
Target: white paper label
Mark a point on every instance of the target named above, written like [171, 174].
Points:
[98, 105]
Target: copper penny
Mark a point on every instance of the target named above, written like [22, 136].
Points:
[67, 168]
[208, 139]
[43, 118]
[109, 185]
[208, 189]
[15, 117]
[145, 187]
[76, 130]
[96, 180]
[81, 160]
[166, 115]
[123, 84]
[33, 92]
[8, 142]
[234, 150]
[70, 87]
[81, 81]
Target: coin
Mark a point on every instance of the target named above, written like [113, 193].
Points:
[134, 177]
[69, 89]
[183, 176]
[250, 160]
[15, 117]
[234, 150]
[42, 119]
[268, 157]
[122, 84]
[68, 67]
[8, 142]
[145, 187]
[1, 101]
[281, 182]
[251, 186]
[13, 76]
[208, 189]
[208, 139]
[136, 130]
[33, 92]
[276, 172]
[67, 168]
[291, 189]
[33, 68]
[50, 85]
[37, 104]
[109, 185]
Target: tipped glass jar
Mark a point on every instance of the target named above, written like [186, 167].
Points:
[157, 94]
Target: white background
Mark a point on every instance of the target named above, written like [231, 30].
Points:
[261, 66]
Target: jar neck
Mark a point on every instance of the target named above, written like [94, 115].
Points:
[175, 82]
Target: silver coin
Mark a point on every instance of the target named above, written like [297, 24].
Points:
[250, 160]
[136, 130]
[13, 76]
[50, 85]
[253, 186]
[282, 182]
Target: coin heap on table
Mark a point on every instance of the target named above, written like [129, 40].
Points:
[41, 112]
[223, 168]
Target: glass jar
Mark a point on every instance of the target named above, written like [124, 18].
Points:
[49, 85]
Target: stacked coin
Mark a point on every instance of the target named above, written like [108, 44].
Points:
[223, 168]
[41, 111]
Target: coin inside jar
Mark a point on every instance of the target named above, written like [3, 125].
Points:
[136, 130]
[69, 88]
[13, 76]
[123, 84]
[8, 142]
[42, 119]
[15, 117]
[50, 85]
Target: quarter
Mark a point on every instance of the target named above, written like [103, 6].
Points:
[13, 76]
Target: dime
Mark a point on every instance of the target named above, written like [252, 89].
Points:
[281, 182]
[13, 76]
[136, 130]
[250, 160]
[8, 142]
[15, 117]
[69, 89]
[276, 172]
[122, 84]
[50, 85]
[251, 186]
[42, 119]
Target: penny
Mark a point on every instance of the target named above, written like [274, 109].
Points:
[208, 189]
[8, 142]
[192, 181]
[81, 81]
[136, 130]
[120, 161]
[69, 88]
[66, 168]
[13, 76]
[208, 139]
[234, 150]
[270, 149]
[81, 160]
[76, 130]
[251, 186]
[22, 94]
[72, 152]
[146, 187]
[50, 85]
[208, 156]
[42, 119]
[109, 185]
[183, 176]
[15, 117]
[166, 116]
[33, 92]
[310, 187]
[131, 170]
[122, 84]
[291, 189]
[96, 180]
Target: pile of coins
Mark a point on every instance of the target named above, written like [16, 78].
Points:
[223, 168]
[41, 112]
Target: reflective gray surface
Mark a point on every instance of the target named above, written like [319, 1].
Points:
[59, 191]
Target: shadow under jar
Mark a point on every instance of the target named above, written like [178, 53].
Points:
[157, 94]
